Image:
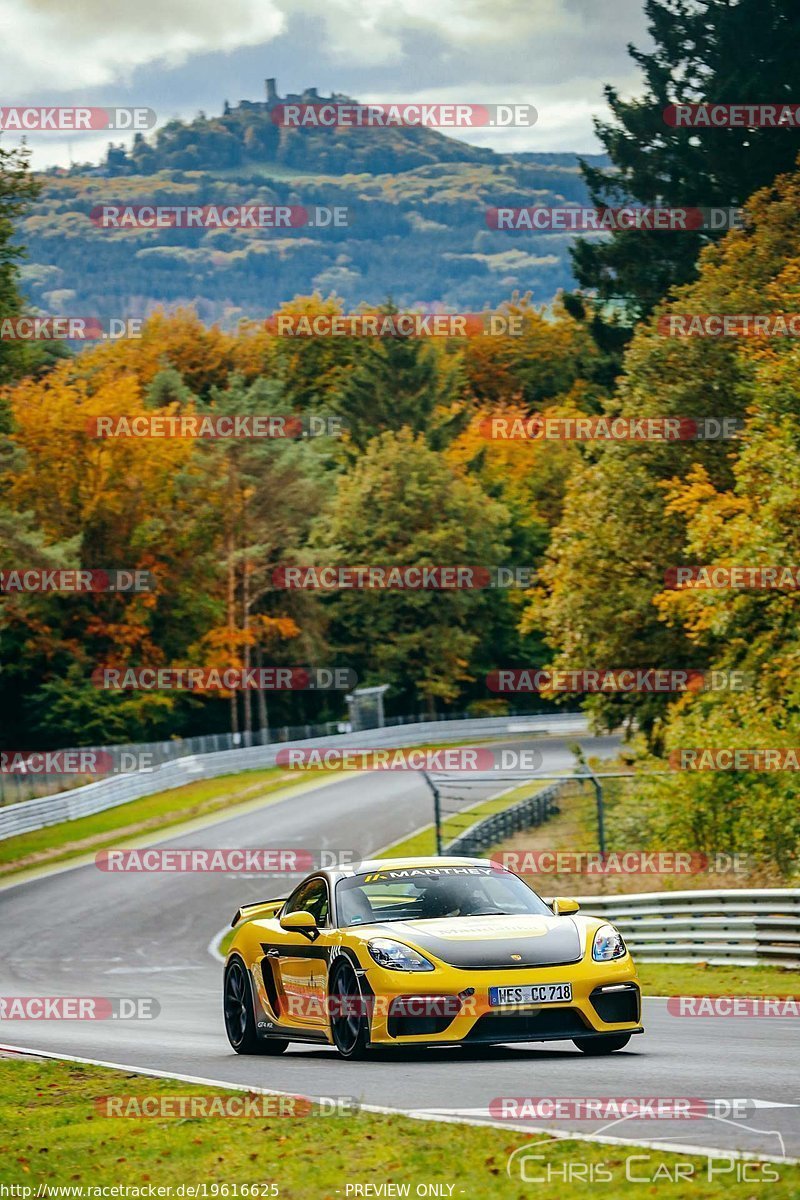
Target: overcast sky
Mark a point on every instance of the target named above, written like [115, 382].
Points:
[179, 56]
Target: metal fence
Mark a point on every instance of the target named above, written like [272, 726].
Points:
[524, 814]
[120, 789]
[19, 786]
[739, 926]
[742, 927]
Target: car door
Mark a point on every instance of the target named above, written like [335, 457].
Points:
[300, 963]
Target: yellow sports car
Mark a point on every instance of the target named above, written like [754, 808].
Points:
[425, 951]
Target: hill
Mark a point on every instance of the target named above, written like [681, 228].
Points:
[248, 135]
[416, 202]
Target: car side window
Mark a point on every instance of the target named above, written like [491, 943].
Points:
[310, 897]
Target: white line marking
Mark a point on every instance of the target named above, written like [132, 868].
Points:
[418, 1114]
[213, 946]
[153, 970]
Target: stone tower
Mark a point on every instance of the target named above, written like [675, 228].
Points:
[272, 91]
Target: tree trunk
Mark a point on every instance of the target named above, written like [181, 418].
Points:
[261, 702]
[230, 545]
[247, 696]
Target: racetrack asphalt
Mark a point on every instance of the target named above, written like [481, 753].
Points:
[87, 932]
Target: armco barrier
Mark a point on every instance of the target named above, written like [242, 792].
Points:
[743, 926]
[524, 814]
[30, 815]
[17, 786]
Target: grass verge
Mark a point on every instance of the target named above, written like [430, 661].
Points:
[631, 829]
[701, 979]
[151, 814]
[657, 979]
[68, 839]
[55, 1134]
[423, 841]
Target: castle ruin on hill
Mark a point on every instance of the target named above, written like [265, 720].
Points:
[309, 96]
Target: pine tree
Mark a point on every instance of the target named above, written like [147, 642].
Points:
[17, 191]
[721, 51]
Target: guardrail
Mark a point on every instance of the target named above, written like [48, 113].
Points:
[18, 786]
[524, 814]
[30, 815]
[742, 927]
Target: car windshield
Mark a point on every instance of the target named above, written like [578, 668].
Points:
[420, 893]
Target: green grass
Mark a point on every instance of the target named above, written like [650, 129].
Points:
[657, 979]
[57, 843]
[699, 979]
[139, 818]
[424, 840]
[52, 1134]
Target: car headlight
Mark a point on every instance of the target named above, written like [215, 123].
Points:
[608, 944]
[397, 957]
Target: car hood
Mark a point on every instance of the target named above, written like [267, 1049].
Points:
[483, 943]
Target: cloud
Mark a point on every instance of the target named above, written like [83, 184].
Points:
[178, 56]
[547, 36]
[91, 43]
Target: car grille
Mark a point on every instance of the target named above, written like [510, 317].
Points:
[619, 1005]
[545, 1023]
[411, 1016]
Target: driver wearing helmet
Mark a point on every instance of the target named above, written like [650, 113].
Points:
[446, 899]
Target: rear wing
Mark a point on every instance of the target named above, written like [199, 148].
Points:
[262, 909]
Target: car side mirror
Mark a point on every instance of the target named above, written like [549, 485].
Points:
[299, 922]
[562, 906]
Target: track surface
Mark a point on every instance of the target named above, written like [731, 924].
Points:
[87, 932]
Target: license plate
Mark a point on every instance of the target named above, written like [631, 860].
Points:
[537, 993]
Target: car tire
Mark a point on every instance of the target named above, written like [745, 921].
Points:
[349, 1031]
[603, 1045]
[240, 1022]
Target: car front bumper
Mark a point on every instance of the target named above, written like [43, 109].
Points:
[449, 1006]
